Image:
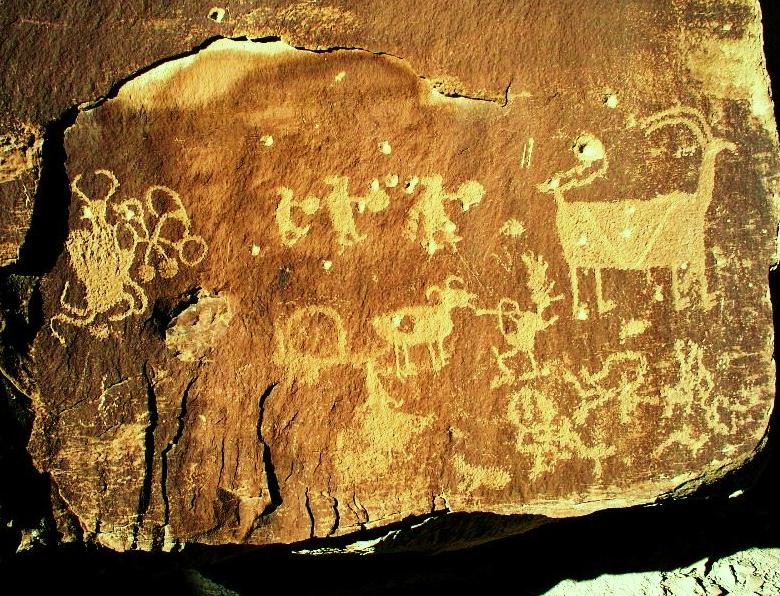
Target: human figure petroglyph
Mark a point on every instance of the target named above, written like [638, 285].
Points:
[289, 231]
[692, 404]
[520, 328]
[666, 231]
[103, 254]
[549, 437]
[427, 325]
[695, 382]
[340, 206]
[619, 380]
[427, 220]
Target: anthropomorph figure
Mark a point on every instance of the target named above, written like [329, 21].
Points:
[340, 207]
[427, 220]
[289, 231]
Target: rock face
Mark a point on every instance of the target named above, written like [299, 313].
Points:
[753, 571]
[304, 292]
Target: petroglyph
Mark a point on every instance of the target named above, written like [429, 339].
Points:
[103, 253]
[632, 328]
[289, 231]
[513, 228]
[520, 328]
[313, 340]
[694, 381]
[549, 437]
[171, 240]
[666, 231]
[427, 220]
[339, 206]
[611, 383]
[380, 433]
[526, 159]
[693, 405]
[474, 477]
[425, 325]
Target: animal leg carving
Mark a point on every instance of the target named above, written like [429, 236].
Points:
[603, 305]
[507, 375]
[575, 291]
[434, 357]
[534, 367]
[442, 353]
[707, 298]
[680, 302]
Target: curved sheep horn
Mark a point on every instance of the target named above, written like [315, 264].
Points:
[431, 291]
[676, 115]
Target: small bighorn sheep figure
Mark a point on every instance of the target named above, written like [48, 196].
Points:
[666, 231]
[427, 325]
[520, 328]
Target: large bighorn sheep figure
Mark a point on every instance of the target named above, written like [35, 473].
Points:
[665, 232]
[428, 325]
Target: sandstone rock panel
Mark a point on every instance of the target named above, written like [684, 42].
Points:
[304, 293]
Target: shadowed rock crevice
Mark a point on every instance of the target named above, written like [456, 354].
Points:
[45, 238]
[272, 481]
[145, 493]
[181, 419]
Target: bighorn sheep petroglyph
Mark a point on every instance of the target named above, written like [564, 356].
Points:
[666, 231]
[428, 324]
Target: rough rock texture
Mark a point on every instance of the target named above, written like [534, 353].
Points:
[754, 571]
[297, 290]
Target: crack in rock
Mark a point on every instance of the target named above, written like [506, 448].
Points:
[270, 473]
[180, 420]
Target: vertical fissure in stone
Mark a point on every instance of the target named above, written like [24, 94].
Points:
[145, 493]
[180, 419]
[270, 473]
[309, 512]
[45, 238]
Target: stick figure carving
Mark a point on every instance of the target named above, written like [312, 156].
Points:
[340, 207]
[520, 328]
[289, 231]
[427, 220]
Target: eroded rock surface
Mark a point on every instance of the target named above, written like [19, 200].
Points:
[748, 572]
[20, 155]
[304, 293]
